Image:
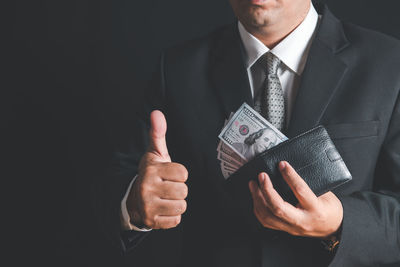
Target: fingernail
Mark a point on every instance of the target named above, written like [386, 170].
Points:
[261, 178]
[282, 165]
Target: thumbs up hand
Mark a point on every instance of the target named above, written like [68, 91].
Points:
[157, 197]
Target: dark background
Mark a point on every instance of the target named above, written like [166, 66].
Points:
[72, 73]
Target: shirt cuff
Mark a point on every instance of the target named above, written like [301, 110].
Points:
[125, 218]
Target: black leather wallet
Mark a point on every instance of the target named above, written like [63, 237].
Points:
[312, 154]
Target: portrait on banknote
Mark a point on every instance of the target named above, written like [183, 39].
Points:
[256, 143]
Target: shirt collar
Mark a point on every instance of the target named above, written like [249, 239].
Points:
[291, 51]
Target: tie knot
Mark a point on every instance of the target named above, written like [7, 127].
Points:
[272, 63]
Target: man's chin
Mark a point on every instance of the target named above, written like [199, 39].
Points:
[255, 18]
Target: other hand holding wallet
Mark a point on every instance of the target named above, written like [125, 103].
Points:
[312, 154]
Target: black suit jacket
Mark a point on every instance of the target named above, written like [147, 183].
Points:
[350, 84]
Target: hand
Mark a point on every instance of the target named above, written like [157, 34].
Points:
[313, 216]
[157, 197]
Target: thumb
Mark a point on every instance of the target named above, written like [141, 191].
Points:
[158, 129]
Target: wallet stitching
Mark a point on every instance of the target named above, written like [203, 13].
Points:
[307, 165]
[312, 163]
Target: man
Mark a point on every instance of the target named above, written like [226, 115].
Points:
[256, 143]
[320, 71]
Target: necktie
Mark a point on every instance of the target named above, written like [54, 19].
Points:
[272, 98]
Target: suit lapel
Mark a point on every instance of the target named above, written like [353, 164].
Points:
[321, 77]
[228, 73]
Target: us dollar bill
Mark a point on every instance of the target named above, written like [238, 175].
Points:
[247, 133]
[230, 161]
[224, 151]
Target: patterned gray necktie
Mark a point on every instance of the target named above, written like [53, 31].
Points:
[272, 99]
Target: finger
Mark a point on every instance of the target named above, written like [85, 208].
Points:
[261, 209]
[166, 222]
[173, 190]
[158, 129]
[276, 204]
[258, 199]
[168, 207]
[173, 171]
[259, 202]
[301, 190]
[263, 213]
[272, 222]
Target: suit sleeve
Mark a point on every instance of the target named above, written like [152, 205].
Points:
[371, 221]
[109, 190]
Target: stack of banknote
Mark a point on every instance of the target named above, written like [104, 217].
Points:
[245, 134]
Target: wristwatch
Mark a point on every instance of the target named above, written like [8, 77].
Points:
[332, 242]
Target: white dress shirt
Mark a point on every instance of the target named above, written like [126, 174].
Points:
[292, 51]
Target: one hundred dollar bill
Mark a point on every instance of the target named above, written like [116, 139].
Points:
[247, 133]
[225, 151]
[230, 161]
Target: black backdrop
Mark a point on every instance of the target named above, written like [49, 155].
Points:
[72, 73]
